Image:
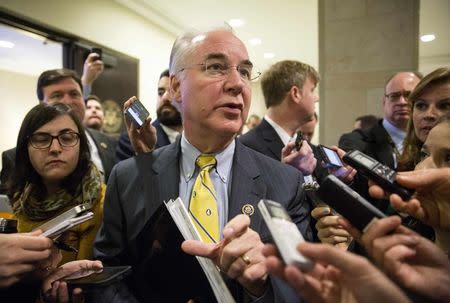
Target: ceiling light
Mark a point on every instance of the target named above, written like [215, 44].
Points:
[6, 44]
[269, 55]
[428, 38]
[255, 41]
[235, 23]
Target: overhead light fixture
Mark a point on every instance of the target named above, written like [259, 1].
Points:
[6, 44]
[235, 23]
[269, 55]
[255, 41]
[427, 38]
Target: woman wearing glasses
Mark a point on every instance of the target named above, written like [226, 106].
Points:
[53, 173]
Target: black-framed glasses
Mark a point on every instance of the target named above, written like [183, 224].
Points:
[218, 68]
[395, 96]
[45, 140]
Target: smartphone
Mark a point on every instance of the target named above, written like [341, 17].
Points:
[52, 227]
[138, 113]
[330, 158]
[99, 52]
[298, 140]
[8, 226]
[90, 279]
[348, 203]
[381, 174]
[284, 233]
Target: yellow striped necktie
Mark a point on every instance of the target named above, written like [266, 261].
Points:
[203, 204]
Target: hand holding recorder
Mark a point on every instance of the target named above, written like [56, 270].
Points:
[300, 155]
[334, 276]
[431, 201]
[140, 130]
[331, 159]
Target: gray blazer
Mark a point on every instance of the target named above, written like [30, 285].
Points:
[138, 231]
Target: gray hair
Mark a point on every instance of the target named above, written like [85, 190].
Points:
[185, 46]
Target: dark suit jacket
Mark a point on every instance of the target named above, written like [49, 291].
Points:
[137, 229]
[125, 150]
[374, 142]
[264, 139]
[105, 144]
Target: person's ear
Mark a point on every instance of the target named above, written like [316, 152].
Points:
[174, 89]
[295, 94]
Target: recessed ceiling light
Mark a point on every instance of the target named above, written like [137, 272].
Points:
[428, 38]
[255, 41]
[235, 23]
[6, 44]
[269, 55]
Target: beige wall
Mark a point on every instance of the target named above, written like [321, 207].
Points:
[18, 97]
[361, 44]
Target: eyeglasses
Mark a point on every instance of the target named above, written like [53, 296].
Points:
[45, 140]
[395, 96]
[219, 69]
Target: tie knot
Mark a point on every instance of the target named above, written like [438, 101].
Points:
[206, 161]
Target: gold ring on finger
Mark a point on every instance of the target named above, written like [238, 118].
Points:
[246, 259]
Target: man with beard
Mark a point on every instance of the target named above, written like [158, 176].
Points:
[168, 123]
[94, 115]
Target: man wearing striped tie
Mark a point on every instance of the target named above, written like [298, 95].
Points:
[218, 178]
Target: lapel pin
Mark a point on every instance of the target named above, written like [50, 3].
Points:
[104, 145]
[248, 209]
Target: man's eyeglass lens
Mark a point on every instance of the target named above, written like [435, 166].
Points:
[395, 96]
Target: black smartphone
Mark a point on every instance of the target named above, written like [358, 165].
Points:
[299, 140]
[94, 279]
[330, 158]
[99, 52]
[381, 174]
[138, 113]
[348, 203]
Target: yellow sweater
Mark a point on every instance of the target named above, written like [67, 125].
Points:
[81, 236]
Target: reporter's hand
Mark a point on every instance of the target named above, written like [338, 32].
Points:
[302, 159]
[413, 261]
[338, 276]
[329, 230]
[431, 201]
[345, 173]
[143, 139]
[21, 255]
[56, 290]
[92, 68]
[239, 241]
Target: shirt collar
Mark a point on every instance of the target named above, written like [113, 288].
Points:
[396, 134]
[284, 136]
[189, 154]
[171, 133]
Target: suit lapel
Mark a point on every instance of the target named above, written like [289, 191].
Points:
[384, 149]
[247, 188]
[273, 141]
[162, 178]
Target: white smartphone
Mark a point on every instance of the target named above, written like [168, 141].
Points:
[74, 216]
[284, 233]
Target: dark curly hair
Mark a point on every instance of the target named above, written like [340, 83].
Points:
[24, 171]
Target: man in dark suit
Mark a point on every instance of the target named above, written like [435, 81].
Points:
[64, 86]
[384, 141]
[210, 76]
[168, 124]
[288, 93]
